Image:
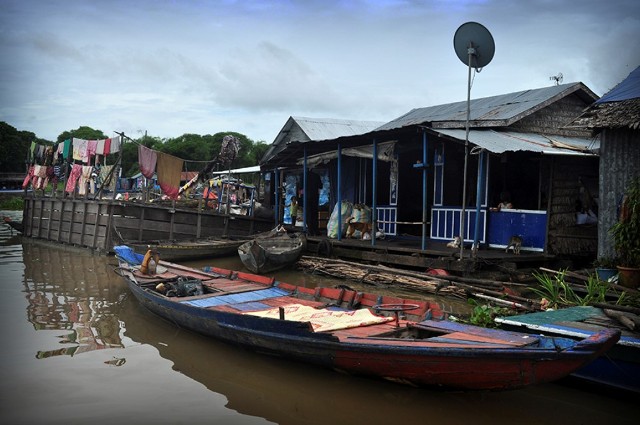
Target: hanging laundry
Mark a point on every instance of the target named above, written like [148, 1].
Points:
[28, 177]
[40, 154]
[108, 180]
[66, 150]
[76, 172]
[107, 146]
[147, 158]
[91, 148]
[114, 145]
[32, 152]
[50, 178]
[79, 149]
[100, 147]
[40, 174]
[85, 178]
[169, 171]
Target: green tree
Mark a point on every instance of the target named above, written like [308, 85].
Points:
[14, 146]
[83, 132]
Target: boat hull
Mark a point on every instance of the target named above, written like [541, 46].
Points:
[406, 363]
[265, 255]
[619, 369]
[190, 250]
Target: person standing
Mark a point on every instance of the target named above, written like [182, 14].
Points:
[293, 210]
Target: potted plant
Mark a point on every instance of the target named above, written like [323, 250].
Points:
[626, 236]
[606, 267]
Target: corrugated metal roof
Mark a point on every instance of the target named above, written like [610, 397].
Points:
[504, 141]
[328, 128]
[304, 129]
[494, 111]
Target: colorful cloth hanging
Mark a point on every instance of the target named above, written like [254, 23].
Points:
[147, 159]
[169, 170]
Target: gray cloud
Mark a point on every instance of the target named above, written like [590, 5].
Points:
[206, 66]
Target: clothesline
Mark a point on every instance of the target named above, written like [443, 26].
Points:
[185, 160]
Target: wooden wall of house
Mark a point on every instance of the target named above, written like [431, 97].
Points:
[552, 118]
[619, 162]
[564, 237]
[102, 224]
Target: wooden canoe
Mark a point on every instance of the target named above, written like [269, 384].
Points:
[359, 333]
[267, 254]
[190, 249]
[618, 369]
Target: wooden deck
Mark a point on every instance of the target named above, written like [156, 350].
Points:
[408, 253]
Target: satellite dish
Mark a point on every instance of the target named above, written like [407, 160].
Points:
[474, 45]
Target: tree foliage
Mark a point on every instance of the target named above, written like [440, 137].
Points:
[14, 146]
[197, 150]
[83, 132]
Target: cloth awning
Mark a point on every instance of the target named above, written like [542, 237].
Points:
[385, 153]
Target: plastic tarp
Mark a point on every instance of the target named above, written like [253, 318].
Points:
[385, 153]
[629, 88]
[127, 254]
[332, 225]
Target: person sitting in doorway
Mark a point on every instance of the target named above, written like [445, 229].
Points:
[505, 202]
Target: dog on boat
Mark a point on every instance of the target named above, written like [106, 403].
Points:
[352, 226]
[455, 243]
[515, 243]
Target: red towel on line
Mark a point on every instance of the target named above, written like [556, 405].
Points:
[147, 159]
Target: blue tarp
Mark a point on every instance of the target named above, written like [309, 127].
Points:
[128, 254]
[629, 88]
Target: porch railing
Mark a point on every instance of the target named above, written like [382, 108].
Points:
[445, 223]
[386, 219]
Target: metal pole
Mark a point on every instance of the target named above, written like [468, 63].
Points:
[305, 195]
[424, 189]
[480, 188]
[374, 193]
[471, 52]
[339, 206]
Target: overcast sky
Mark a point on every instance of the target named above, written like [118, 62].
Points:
[195, 66]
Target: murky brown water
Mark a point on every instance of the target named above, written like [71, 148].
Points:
[79, 349]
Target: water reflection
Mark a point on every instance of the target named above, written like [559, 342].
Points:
[76, 296]
[137, 368]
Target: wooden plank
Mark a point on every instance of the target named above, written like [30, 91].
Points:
[95, 225]
[40, 218]
[63, 205]
[73, 210]
[107, 242]
[83, 229]
[199, 224]
[494, 334]
[51, 208]
[141, 224]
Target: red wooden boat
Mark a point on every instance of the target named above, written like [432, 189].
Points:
[359, 333]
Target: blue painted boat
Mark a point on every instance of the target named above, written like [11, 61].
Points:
[401, 340]
[619, 368]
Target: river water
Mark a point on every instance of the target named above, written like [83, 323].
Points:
[79, 349]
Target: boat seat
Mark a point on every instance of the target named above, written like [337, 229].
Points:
[237, 298]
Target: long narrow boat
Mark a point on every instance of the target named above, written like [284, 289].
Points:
[269, 253]
[619, 368]
[15, 225]
[358, 333]
[190, 249]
